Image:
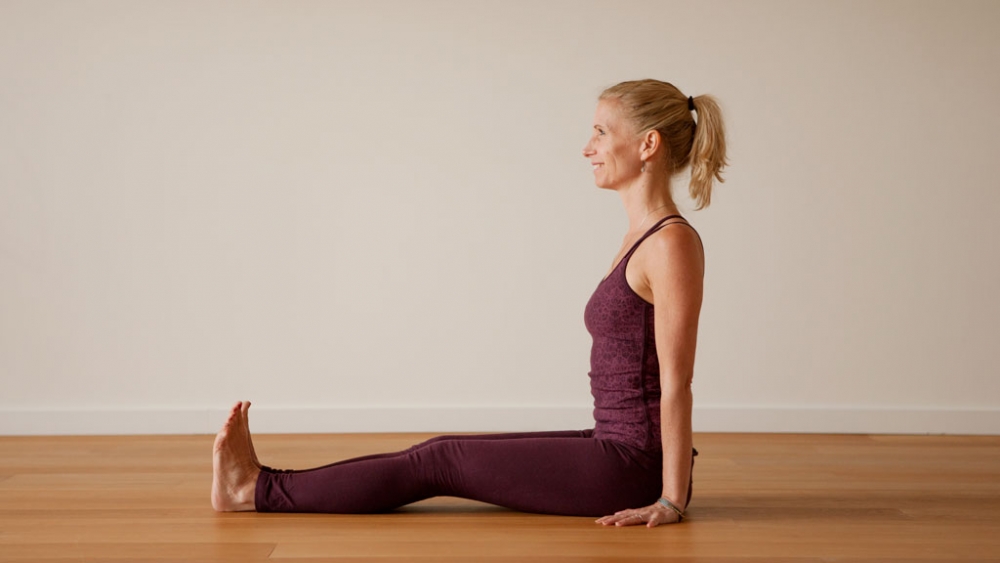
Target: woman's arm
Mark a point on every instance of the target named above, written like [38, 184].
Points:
[675, 272]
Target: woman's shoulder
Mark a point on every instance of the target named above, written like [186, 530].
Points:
[676, 244]
[674, 235]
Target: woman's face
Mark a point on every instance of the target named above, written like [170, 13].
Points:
[613, 150]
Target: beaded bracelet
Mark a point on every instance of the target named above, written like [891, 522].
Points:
[670, 505]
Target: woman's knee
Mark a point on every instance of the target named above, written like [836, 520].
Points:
[435, 441]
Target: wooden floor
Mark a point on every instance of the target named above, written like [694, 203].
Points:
[757, 497]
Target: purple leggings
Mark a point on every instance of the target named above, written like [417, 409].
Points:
[565, 472]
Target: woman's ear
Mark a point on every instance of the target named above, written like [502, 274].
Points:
[651, 142]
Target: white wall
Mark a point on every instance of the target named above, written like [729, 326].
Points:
[374, 216]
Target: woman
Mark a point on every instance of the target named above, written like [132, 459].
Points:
[635, 466]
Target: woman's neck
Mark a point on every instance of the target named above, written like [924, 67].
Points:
[645, 206]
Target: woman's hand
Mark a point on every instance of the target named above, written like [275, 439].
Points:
[652, 515]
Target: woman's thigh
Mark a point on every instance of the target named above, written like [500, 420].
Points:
[550, 475]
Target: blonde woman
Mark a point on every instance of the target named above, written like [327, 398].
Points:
[636, 465]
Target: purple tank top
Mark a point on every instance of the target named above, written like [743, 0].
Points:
[624, 368]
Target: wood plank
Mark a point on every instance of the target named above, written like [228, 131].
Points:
[154, 551]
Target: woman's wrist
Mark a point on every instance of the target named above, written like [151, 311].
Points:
[665, 502]
[667, 497]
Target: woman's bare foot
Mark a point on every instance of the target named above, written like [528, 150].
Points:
[246, 424]
[234, 475]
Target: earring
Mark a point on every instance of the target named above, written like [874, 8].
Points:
[643, 169]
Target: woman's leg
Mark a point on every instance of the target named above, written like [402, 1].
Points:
[503, 436]
[564, 474]
[561, 472]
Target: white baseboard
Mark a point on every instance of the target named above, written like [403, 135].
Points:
[826, 419]
[847, 419]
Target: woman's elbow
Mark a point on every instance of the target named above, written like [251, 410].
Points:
[676, 397]
[676, 382]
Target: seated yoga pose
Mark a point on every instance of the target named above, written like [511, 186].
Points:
[635, 466]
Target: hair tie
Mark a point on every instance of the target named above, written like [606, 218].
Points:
[691, 104]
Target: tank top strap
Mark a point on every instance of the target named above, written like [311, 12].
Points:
[656, 226]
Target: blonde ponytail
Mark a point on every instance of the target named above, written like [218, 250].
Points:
[708, 150]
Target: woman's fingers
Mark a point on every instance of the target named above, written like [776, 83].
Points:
[607, 519]
[630, 520]
[612, 518]
[622, 519]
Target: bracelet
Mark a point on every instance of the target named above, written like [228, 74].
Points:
[670, 505]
